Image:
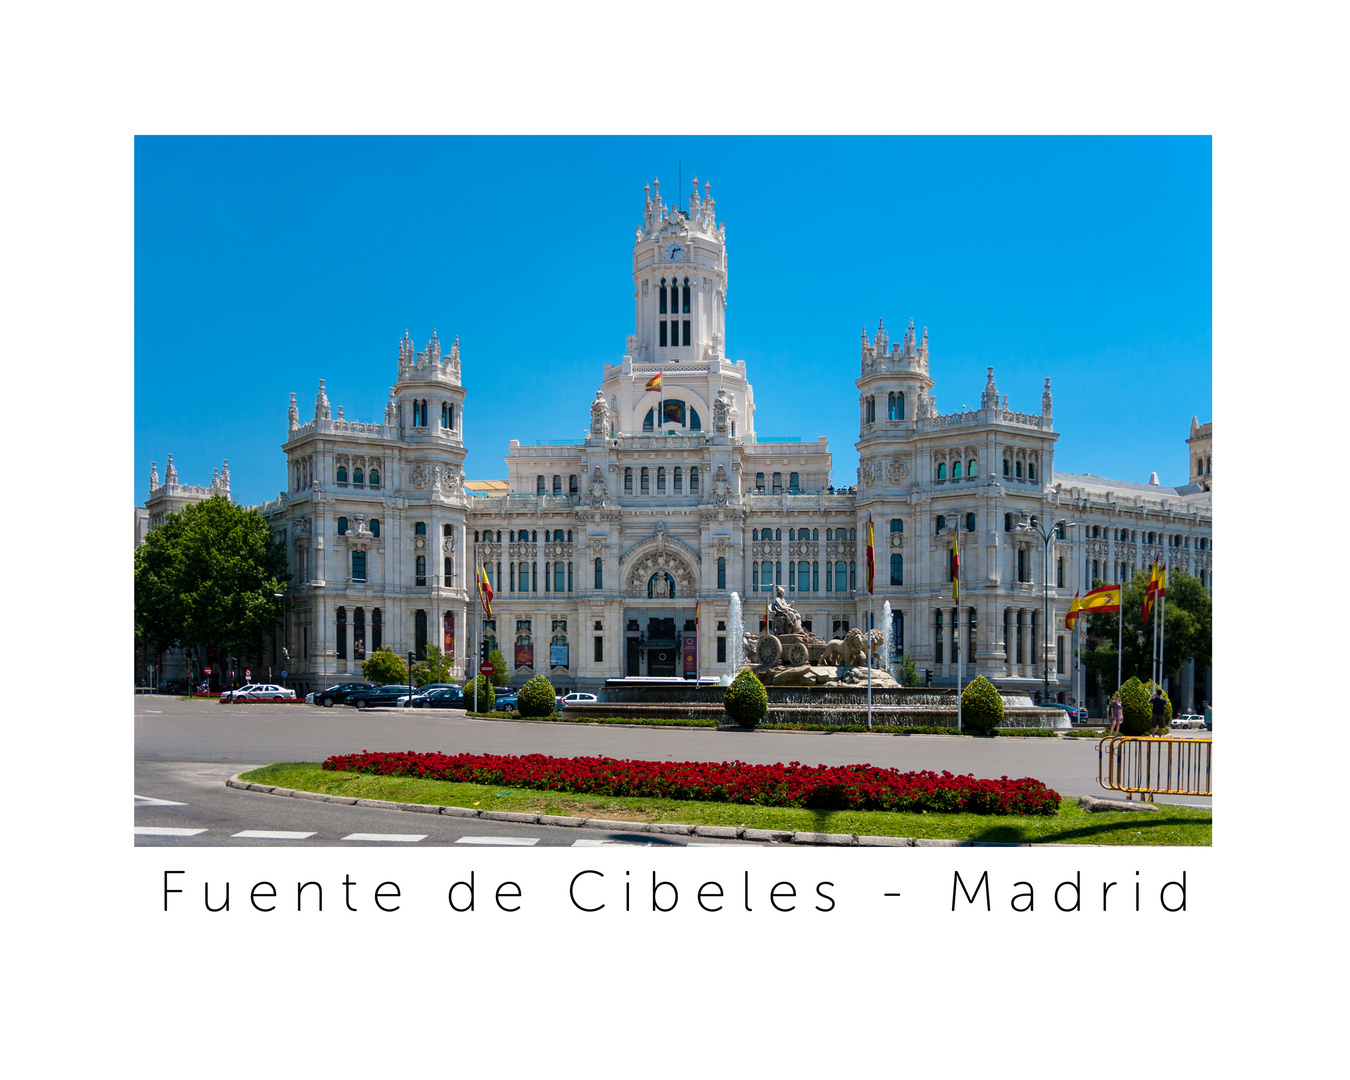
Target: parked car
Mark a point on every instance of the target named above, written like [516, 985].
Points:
[445, 697]
[506, 703]
[1077, 714]
[259, 692]
[337, 695]
[1189, 720]
[577, 699]
[379, 696]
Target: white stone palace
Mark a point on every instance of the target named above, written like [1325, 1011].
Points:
[599, 550]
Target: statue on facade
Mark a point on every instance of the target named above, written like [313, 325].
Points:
[599, 415]
[721, 412]
[784, 615]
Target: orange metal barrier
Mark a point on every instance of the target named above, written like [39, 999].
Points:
[1149, 766]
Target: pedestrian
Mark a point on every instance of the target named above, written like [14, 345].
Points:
[1117, 715]
[1159, 704]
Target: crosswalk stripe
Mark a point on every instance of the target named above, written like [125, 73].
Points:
[268, 834]
[500, 841]
[150, 830]
[607, 843]
[145, 800]
[404, 838]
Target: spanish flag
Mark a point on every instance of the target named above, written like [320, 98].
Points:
[1103, 600]
[654, 383]
[1150, 592]
[871, 557]
[956, 563]
[1074, 608]
[696, 606]
[485, 591]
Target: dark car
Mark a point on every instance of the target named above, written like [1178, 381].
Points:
[379, 696]
[445, 697]
[338, 695]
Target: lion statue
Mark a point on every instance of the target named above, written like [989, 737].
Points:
[857, 648]
[834, 652]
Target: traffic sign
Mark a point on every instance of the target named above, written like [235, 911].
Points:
[207, 670]
[485, 669]
[248, 674]
[283, 674]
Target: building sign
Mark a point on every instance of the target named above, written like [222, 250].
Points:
[557, 656]
[690, 654]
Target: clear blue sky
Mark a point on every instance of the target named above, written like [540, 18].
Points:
[265, 264]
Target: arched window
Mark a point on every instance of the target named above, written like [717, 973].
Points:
[794, 483]
[646, 485]
[1199, 466]
[942, 470]
[572, 484]
[649, 421]
[853, 534]
[815, 577]
[754, 535]
[661, 479]
[374, 477]
[1031, 470]
[1005, 466]
[897, 569]
[540, 486]
[374, 526]
[557, 485]
[956, 469]
[1018, 471]
[628, 481]
[677, 479]
[853, 576]
[695, 424]
[778, 534]
[970, 467]
[342, 526]
[693, 479]
[342, 474]
[358, 477]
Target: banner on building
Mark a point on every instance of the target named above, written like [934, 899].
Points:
[449, 647]
[557, 656]
[525, 654]
[690, 654]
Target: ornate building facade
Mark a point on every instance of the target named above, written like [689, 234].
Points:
[600, 551]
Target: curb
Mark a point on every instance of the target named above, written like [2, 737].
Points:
[717, 832]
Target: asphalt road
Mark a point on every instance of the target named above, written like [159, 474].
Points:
[185, 750]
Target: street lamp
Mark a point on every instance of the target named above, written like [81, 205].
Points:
[1046, 535]
[285, 638]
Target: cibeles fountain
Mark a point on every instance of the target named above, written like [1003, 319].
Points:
[808, 681]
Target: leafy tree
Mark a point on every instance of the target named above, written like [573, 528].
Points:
[1188, 628]
[537, 697]
[500, 675]
[906, 672]
[487, 701]
[208, 576]
[384, 666]
[434, 667]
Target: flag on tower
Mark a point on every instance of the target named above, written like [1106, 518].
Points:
[871, 557]
[654, 383]
[956, 563]
[485, 590]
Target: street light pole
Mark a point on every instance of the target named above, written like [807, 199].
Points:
[1046, 535]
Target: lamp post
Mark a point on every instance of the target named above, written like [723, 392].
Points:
[1046, 535]
[285, 637]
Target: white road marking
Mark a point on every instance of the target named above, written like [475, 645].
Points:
[607, 843]
[148, 830]
[267, 834]
[404, 838]
[500, 841]
[145, 800]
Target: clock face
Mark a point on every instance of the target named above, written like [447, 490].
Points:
[674, 252]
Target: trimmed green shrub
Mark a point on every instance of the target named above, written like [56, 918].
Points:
[746, 701]
[537, 697]
[486, 701]
[1134, 699]
[981, 706]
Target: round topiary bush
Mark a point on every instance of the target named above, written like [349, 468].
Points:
[486, 701]
[981, 706]
[746, 701]
[537, 697]
[1138, 712]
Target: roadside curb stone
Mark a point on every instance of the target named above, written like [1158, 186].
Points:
[673, 827]
[719, 832]
[771, 836]
[618, 826]
[509, 815]
[825, 838]
[885, 841]
[556, 819]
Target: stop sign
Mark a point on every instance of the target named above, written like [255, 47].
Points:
[485, 668]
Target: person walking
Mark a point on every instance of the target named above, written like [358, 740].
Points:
[1159, 704]
[1117, 714]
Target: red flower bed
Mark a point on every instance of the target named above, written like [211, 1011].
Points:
[817, 787]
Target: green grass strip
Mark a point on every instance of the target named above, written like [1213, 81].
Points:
[1183, 826]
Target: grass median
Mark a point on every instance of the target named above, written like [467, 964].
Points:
[1170, 826]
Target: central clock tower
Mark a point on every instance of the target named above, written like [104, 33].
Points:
[679, 281]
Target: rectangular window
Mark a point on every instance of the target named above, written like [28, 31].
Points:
[693, 480]
[599, 576]
[679, 480]
[358, 566]
[376, 628]
[359, 634]
[937, 638]
[663, 332]
[721, 573]
[342, 633]
[599, 650]
[897, 569]
[558, 577]
[420, 573]
[524, 577]
[1059, 655]
[803, 577]
[1059, 572]
[569, 577]
[721, 650]
[794, 483]
[449, 579]
[686, 329]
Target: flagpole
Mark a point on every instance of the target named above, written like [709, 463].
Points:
[1162, 622]
[1120, 631]
[478, 584]
[957, 618]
